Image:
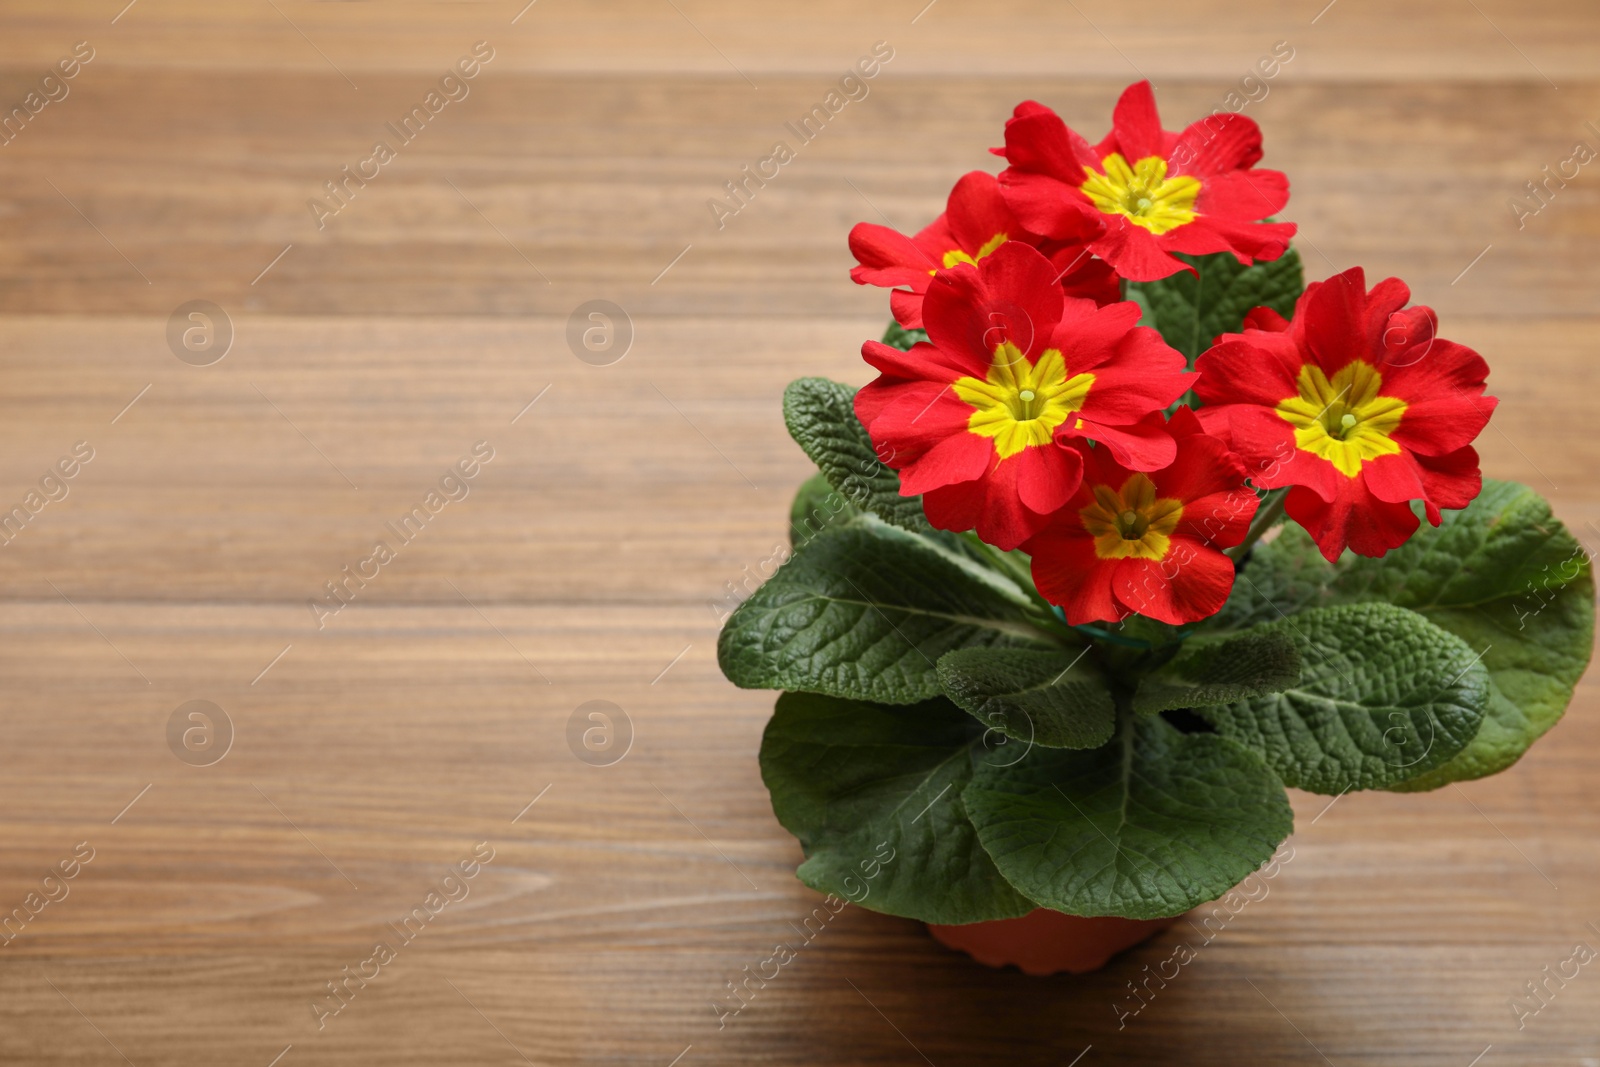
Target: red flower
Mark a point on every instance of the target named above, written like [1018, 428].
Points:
[1147, 542]
[1357, 404]
[975, 223]
[976, 419]
[1157, 192]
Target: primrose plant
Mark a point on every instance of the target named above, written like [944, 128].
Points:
[1132, 530]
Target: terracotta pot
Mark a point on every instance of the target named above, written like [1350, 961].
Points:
[1048, 942]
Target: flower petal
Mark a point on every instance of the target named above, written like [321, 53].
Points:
[1395, 478]
[1218, 144]
[1136, 253]
[1191, 584]
[1136, 123]
[1038, 141]
[1243, 195]
[1355, 518]
[1451, 481]
[1068, 573]
[1047, 476]
[924, 361]
[1010, 295]
[1248, 368]
[887, 257]
[977, 212]
[906, 307]
[958, 458]
[1142, 446]
[991, 506]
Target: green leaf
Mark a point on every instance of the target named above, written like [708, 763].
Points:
[1508, 578]
[817, 505]
[897, 336]
[1221, 671]
[1192, 310]
[1280, 577]
[865, 611]
[822, 420]
[1503, 574]
[1148, 826]
[1384, 695]
[1532, 673]
[1506, 543]
[1058, 699]
[859, 782]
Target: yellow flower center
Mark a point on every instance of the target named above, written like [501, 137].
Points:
[1142, 192]
[1019, 404]
[1131, 522]
[956, 255]
[1345, 420]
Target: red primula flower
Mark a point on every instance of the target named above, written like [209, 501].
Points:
[1150, 543]
[976, 419]
[1194, 192]
[975, 223]
[1357, 404]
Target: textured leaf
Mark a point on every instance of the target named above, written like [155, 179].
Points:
[1505, 544]
[817, 505]
[865, 611]
[1148, 826]
[1191, 311]
[822, 420]
[857, 782]
[1221, 671]
[1280, 577]
[1504, 575]
[1508, 578]
[1058, 699]
[1532, 673]
[1384, 695]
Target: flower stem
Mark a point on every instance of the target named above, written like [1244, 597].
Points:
[1043, 614]
[1267, 516]
[1011, 567]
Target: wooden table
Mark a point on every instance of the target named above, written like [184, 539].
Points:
[432, 712]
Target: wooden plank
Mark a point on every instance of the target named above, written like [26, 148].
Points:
[1431, 40]
[606, 925]
[625, 508]
[622, 483]
[536, 193]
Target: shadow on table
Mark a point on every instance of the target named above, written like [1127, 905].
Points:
[882, 991]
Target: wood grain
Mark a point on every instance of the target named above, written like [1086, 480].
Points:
[590, 558]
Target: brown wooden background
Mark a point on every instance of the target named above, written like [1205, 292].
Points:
[425, 716]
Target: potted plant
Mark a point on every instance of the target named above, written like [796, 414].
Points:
[1133, 530]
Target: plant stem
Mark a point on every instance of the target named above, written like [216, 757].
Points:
[1008, 565]
[1012, 568]
[1043, 617]
[1267, 516]
[1058, 631]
